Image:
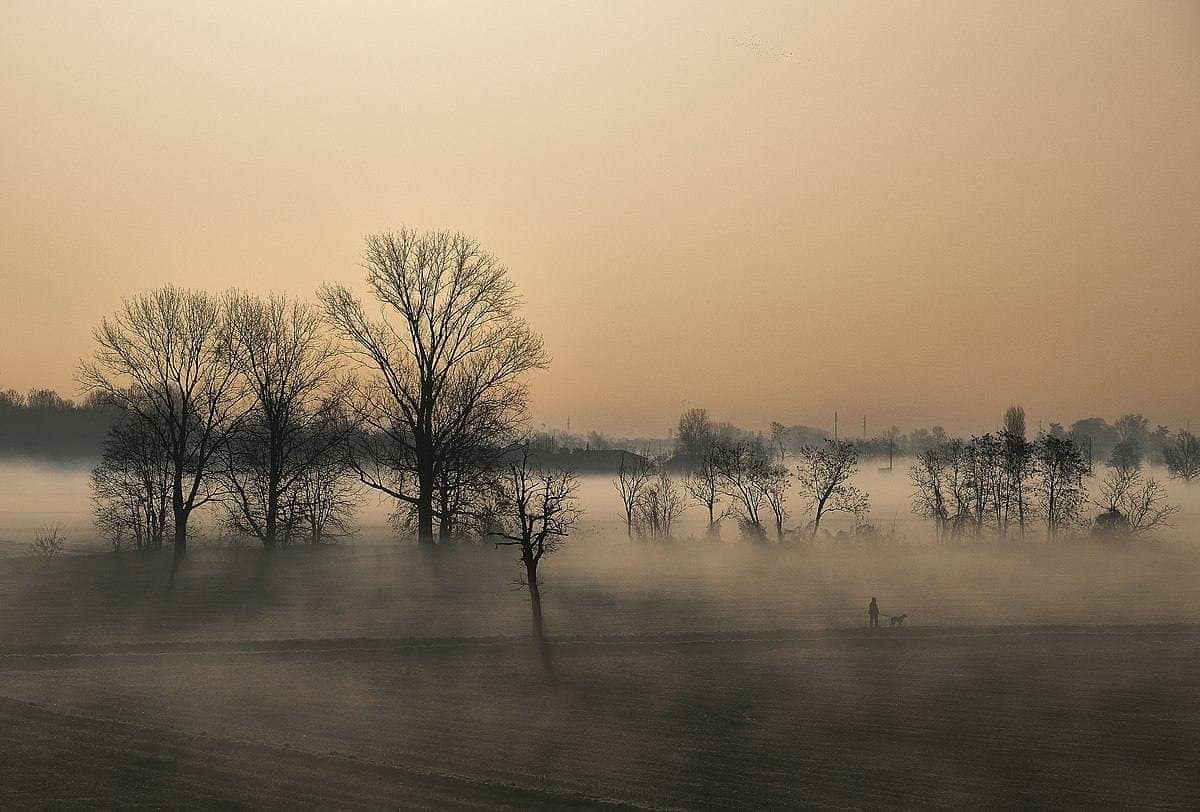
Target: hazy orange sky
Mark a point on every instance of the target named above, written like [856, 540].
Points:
[920, 212]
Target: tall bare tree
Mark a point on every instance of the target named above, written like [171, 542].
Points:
[537, 511]
[702, 485]
[449, 345]
[165, 357]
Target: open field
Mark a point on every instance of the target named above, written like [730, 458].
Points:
[375, 676]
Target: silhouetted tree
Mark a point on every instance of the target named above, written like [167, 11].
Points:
[702, 485]
[930, 480]
[131, 487]
[777, 479]
[448, 345]
[288, 364]
[536, 512]
[743, 478]
[823, 477]
[633, 477]
[1059, 486]
[659, 506]
[1133, 504]
[165, 357]
[1182, 456]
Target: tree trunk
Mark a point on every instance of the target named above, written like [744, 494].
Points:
[425, 497]
[535, 601]
[181, 519]
[181, 515]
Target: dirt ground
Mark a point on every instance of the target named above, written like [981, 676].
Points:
[376, 677]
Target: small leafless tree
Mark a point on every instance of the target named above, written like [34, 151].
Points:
[537, 511]
[448, 345]
[633, 477]
[165, 357]
[1133, 504]
[49, 542]
[823, 477]
[659, 506]
[1182, 456]
[703, 486]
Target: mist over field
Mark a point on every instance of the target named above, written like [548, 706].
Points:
[708, 405]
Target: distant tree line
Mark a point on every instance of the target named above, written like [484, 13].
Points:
[42, 424]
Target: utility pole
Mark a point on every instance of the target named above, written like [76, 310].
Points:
[835, 427]
[864, 427]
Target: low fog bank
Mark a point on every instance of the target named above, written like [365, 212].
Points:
[387, 591]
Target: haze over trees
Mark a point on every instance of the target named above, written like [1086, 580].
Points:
[442, 363]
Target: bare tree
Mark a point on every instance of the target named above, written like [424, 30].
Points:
[324, 498]
[165, 357]
[537, 511]
[777, 478]
[930, 499]
[658, 507]
[633, 477]
[1133, 504]
[703, 486]
[131, 487]
[1059, 486]
[449, 344]
[288, 363]
[743, 478]
[823, 477]
[1182, 456]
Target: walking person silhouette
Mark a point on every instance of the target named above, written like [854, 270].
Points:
[873, 612]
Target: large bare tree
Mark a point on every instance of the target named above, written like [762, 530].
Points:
[288, 363]
[164, 357]
[448, 346]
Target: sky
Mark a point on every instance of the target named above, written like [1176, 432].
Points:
[919, 212]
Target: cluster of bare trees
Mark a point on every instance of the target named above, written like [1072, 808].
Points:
[742, 480]
[1001, 484]
[228, 399]
[279, 412]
